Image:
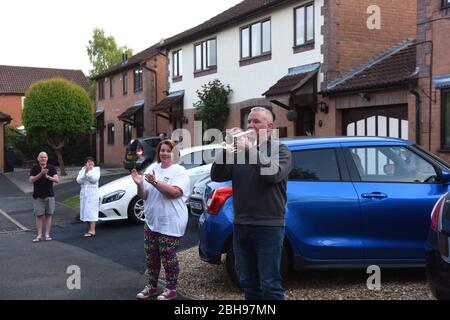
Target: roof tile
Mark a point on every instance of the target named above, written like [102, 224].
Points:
[17, 80]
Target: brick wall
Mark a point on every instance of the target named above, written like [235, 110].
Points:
[12, 105]
[349, 42]
[2, 148]
[357, 43]
[433, 59]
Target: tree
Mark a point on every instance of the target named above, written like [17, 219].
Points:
[104, 52]
[54, 110]
[212, 108]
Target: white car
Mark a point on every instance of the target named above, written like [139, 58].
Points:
[119, 199]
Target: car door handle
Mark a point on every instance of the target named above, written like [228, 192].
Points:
[376, 195]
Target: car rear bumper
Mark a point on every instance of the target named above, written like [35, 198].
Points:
[212, 238]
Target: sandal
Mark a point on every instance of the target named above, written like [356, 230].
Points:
[48, 238]
[89, 235]
[37, 239]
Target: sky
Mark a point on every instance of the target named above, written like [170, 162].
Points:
[55, 33]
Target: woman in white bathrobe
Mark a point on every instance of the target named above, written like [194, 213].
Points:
[88, 178]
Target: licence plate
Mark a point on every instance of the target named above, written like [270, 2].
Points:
[196, 205]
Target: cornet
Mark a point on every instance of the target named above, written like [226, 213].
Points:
[230, 140]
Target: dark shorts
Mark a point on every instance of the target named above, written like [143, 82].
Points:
[44, 206]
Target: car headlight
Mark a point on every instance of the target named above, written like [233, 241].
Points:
[115, 196]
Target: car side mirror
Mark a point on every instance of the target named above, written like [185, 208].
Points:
[445, 177]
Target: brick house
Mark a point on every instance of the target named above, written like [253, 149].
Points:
[433, 79]
[4, 120]
[125, 94]
[404, 91]
[282, 54]
[15, 81]
[373, 98]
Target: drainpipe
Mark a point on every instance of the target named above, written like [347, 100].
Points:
[155, 86]
[418, 108]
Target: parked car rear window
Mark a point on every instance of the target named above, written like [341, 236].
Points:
[315, 165]
[392, 164]
[152, 142]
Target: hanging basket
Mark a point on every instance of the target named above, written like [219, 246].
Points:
[292, 115]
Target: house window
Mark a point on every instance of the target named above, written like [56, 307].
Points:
[446, 3]
[137, 79]
[304, 24]
[125, 83]
[446, 119]
[111, 87]
[127, 133]
[177, 58]
[101, 89]
[256, 39]
[111, 133]
[205, 55]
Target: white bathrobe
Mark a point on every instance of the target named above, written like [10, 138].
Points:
[89, 203]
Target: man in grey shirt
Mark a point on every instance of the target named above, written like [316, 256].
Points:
[259, 199]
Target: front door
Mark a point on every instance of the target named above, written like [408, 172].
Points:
[305, 121]
[397, 190]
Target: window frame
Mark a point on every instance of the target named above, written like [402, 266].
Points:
[125, 83]
[204, 51]
[341, 163]
[138, 79]
[101, 89]
[177, 74]
[250, 39]
[111, 132]
[127, 135]
[354, 172]
[306, 42]
[111, 87]
[445, 93]
[445, 4]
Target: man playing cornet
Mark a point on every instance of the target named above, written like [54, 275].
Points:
[259, 199]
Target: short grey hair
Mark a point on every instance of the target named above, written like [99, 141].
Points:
[269, 115]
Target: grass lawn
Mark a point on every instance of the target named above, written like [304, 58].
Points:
[73, 202]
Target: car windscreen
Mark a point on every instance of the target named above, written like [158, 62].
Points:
[436, 158]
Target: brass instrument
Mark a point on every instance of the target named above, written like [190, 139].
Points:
[230, 140]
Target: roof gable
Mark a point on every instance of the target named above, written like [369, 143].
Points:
[393, 66]
[16, 80]
[132, 62]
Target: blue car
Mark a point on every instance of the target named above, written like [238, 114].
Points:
[352, 202]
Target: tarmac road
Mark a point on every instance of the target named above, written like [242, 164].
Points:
[112, 264]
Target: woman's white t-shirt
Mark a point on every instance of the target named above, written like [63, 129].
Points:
[165, 215]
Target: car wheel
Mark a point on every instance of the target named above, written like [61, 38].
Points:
[231, 267]
[136, 210]
[442, 294]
